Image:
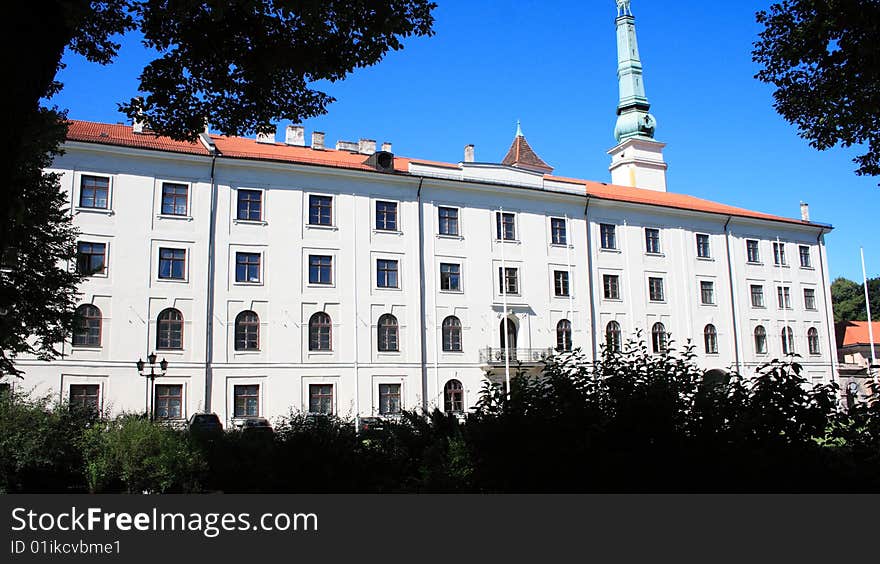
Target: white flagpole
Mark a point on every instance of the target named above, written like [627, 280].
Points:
[568, 233]
[780, 248]
[870, 323]
[506, 351]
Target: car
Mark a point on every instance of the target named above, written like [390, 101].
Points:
[256, 426]
[205, 422]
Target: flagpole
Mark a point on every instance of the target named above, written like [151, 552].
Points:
[568, 233]
[503, 277]
[870, 323]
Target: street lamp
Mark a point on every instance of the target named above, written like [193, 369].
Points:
[152, 375]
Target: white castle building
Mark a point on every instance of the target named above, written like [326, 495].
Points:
[273, 276]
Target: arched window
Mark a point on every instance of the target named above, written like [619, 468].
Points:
[563, 335]
[388, 333]
[612, 336]
[658, 337]
[87, 328]
[710, 338]
[452, 334]
[787, 341]
[760, 340]
[247, 331]
[169, 330]
[813, 340]
[453, 397]
[320, 332]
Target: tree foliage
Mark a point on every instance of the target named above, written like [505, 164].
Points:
[239, 64]
[848, 299]
[822, 57]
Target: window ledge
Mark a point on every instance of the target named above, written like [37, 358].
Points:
[511, 241]
[172, 280]
[100, 211]
[655, 254]
[453, 292]
[320, 353]
[758, 306]
[247, 352]
[455, 237]
[319, 286]
[562, 246]
[453, 352]
[174, 352]
[389, 288]
[753, 263]
[237, 283]
[807, 267]
[249, 221]
[91, 348]
[174, 217]
[706, 259]
[388, 232]
[615, 300]
[650, 301]
[604, 250]
[320, 227]
[389, 354]
[709, 305]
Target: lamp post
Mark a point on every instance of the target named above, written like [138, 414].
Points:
[152, 375]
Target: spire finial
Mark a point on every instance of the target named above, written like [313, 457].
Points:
[633, 119]
[519, 132]
[623, 8]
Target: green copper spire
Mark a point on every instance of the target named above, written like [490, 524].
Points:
[633, 119]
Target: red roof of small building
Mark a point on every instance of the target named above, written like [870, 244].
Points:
[521, 154]
[851, 333]
[244, 148]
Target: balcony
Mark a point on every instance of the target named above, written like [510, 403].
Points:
[497, 356]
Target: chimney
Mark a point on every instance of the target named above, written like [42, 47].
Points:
[268, 138]
[347, 146]
[318, 140]
[469, 153]
[366, 146]
[137, 124]
[295, 135]
[805, 212]
[386, 146]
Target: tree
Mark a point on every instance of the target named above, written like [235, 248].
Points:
[848, 299]
[241, 65]
[822, 57]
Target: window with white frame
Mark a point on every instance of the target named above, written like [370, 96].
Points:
[655, 289]
[752, 253]
[508, 280]
[94, 192]
[447, 221]
[558, 232]
[804, 252]
[387, 273]
[783, 297]
[757, 293]
[809, 298]
[703, 250]
[652, 240]
[608, 236]
[321, 399]
[450, 277]
[560, 283]
[246, 400]
[505, 226]
[386, 216]
[779, 254]
[707, 292]
[611, 286]
[389, 399]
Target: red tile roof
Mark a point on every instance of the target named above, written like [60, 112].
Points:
[121, 135]
[856, 333]
[521, 154]
[244, 148]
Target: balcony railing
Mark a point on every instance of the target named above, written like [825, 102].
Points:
[491, 355]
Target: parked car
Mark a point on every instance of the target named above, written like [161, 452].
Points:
[205, 424]
[256, 426]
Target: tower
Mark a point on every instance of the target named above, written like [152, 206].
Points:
[637, 159]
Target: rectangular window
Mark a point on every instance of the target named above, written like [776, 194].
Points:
[608, 235]
[560, 282]
[508, 281]
[783, 297]
[779, 254]
[386, 273]
[247, 267]
[505, 228]
[655, 289]
[611, 286]
[703, 246]
[757, 295]
[707, 292]
[448, 219]
[169, 404]
[558, 234]
[94, 192]
[450, 277]
[320, 269]
[174, 198]
[321, 399]
[389, 399]
[250, 205]
[320, 210]
[752, 254]
[172, 264]
[386, 216]
[652, 240]
[804, 251]
[91, 258]
[85, 396]
[246, 401]
[809, 298]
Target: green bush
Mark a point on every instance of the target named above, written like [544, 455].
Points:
[135, 455]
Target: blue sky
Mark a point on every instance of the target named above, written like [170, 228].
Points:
[552, 64]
